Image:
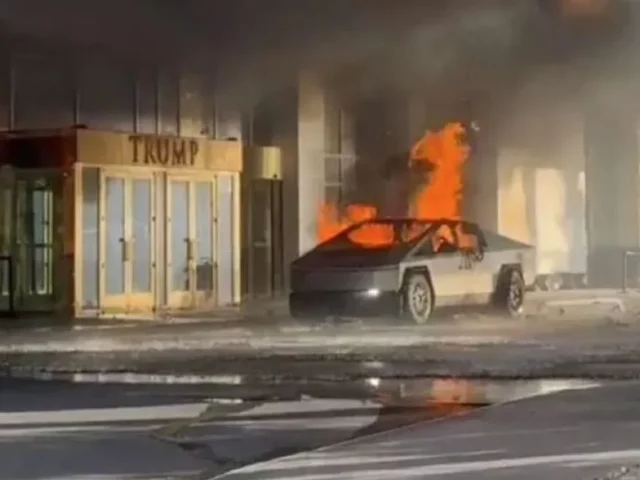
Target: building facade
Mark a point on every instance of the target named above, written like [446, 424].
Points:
[562, 175]
[121, 185]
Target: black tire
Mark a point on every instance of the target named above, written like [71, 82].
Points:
[418, 298]
[511, 292]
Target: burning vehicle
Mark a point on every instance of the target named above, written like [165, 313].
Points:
[408, 267]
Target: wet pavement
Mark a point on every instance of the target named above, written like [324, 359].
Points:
[599, 350]
[56, 431]
[577, 335]
[591, 434]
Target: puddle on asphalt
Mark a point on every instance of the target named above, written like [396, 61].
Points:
[465, 392]
[405, 402]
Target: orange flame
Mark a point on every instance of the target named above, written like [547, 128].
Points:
[331, 222]
[445, 153]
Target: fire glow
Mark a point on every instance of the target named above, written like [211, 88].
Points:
[443, 153]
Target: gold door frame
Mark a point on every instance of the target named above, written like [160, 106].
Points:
[141, 301]
[190, 298]
[128, 301]
[201, 297]
[179, 298]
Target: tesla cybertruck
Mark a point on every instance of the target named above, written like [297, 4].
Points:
[408, 268]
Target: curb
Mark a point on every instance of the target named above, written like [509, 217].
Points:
[22, 373]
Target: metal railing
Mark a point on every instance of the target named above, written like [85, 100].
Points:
[7, 284]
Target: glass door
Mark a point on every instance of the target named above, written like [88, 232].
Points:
[190, 241]
[127, 241]
[205, 223]
[140, 228]
[179, 271]
[6, 229]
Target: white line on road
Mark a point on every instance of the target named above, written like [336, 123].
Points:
[306, 463]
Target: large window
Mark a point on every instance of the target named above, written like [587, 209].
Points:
[339, 158]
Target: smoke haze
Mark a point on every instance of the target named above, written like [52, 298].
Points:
[497, 57]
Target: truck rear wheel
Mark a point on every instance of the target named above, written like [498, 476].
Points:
[418, 298]
[510, 293]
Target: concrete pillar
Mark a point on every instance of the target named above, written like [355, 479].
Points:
[612, 196]
[311, 150]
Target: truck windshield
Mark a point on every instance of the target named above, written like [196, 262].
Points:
[378, 235]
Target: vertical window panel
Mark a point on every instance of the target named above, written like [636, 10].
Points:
[90, 224]
[168, 98]
[147, 101]
[107, 95]
[43, 92]
[5, 91]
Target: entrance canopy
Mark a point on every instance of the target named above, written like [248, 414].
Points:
[135, 223]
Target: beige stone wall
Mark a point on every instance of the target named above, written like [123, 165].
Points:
[541, 198]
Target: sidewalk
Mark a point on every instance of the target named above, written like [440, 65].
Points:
[563, 334]
[253, 313]
[262, 325]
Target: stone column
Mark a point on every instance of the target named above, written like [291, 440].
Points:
[612, 189]
[311, 150]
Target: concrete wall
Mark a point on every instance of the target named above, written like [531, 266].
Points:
[541, 194]
[613, 208]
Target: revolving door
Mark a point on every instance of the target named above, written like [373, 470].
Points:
[262, 232]
[33, 275]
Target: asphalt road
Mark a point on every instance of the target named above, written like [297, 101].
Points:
[573, 435]
[58, 431]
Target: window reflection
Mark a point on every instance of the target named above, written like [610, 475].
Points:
[141, 226]
[180, 236]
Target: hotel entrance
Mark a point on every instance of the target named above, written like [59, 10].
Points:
[166, 227]
[104, 223]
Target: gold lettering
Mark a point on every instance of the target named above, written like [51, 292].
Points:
[193, 151]
[135, 141]
[178, 154]
[149, 153]
[163, 150]
[152, 150]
